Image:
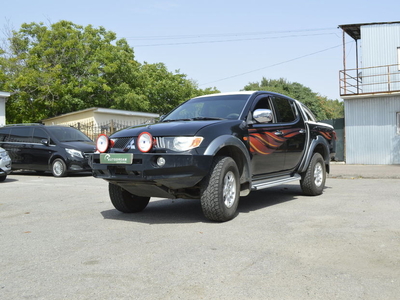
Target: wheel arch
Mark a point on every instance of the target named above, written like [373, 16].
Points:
[53, 158]
[227, 145]
[318, 145]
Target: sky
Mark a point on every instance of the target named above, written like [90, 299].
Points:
[220, 43]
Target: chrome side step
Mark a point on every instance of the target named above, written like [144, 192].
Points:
[263, 184]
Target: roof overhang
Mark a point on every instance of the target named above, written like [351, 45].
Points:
[107, 111]
[353, 30]
[4, 94]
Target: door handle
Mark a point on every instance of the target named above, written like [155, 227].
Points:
[302, 131]
[278, 132]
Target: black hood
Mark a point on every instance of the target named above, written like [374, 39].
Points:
[182, 128]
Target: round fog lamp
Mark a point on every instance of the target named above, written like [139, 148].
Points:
[161, 161]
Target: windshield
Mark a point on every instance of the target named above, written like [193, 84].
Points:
[68, 134]
[209, 108]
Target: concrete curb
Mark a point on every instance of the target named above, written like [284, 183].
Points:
[345, 171]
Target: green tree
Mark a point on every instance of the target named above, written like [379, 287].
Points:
[66, 67]
[321, 106]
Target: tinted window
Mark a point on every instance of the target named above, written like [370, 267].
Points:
[39, 134]
[68, 134]
[285, 110]
[263, 103]
[21, 135]
[4, 134]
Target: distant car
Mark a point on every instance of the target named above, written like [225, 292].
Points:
[59, 149]
[5, 164]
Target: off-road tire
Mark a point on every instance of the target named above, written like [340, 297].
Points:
[59, 168]
[313, 180]
[126, 202]
[221, 190]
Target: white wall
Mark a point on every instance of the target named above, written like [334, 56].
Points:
[2, 111]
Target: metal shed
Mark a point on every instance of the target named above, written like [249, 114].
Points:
[371, 94]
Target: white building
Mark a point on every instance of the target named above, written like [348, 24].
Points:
[371, 94]
[3, 99]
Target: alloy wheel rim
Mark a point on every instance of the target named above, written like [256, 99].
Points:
[229, 189]
[58, 169]
[318, 174]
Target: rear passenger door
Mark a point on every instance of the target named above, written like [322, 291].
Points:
[41, 152]
[291, 130]
[18, 145]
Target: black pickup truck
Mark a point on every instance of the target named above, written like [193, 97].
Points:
[216, 148]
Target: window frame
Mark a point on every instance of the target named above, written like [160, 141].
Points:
[398, 123]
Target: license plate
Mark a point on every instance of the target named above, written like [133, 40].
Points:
[116, 158]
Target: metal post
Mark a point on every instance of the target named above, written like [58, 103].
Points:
[344, 64]
[358, 77]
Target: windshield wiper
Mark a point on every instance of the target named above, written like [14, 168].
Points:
[194, 119]
[175, 120]
[206, 118]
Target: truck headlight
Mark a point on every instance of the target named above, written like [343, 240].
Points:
[183, 143]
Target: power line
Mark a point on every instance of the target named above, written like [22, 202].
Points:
[231, 40]
[207, 35]
[273, 65]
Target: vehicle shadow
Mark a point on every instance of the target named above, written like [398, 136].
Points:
[48, 173]
[172, 211]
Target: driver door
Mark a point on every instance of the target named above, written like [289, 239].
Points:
[266, 145]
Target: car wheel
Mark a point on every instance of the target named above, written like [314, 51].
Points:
[220, 190]
[2, 178]
[313, 180]
[126, 202]
[59, 168]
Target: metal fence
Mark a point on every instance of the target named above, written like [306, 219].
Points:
[339, 126]
[92, 129]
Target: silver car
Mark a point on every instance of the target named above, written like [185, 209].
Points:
[5, 164]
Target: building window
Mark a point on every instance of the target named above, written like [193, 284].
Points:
[398, 122]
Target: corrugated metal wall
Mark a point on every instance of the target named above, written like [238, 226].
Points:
[371, 135]
[379, 48]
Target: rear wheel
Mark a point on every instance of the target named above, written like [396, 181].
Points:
[221, 190]
[126, 202]
[313, 180]
[59, 168]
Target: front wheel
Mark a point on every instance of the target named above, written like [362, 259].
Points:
[126, 202]
[3, 177]
[221, 190]
[59, 168]
[313, 180]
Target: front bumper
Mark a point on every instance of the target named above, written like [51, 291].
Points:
[77, 164]
[5, 166]
[180, 170]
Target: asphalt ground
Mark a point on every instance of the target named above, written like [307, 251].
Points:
[61, 238]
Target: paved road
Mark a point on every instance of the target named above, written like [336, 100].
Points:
[60, 238]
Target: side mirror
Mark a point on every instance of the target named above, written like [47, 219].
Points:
[263, 115]
[45, 142]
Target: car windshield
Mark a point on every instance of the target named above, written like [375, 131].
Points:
[68, 134]
[209, 108]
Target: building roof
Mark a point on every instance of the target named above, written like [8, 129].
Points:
[109, 111]
[353, 30]
[4, 94]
